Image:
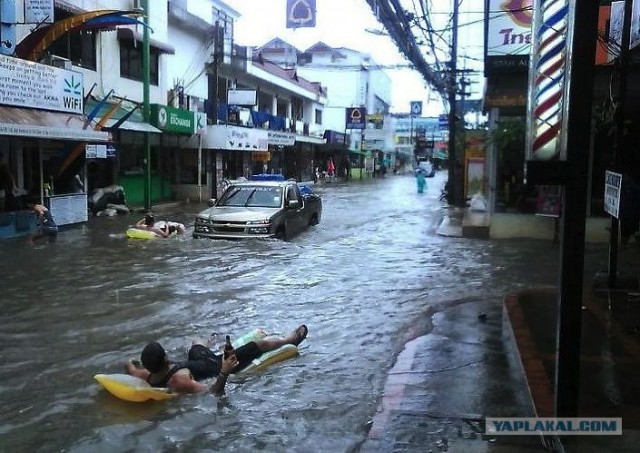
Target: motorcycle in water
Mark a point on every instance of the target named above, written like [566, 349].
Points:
[444, 192]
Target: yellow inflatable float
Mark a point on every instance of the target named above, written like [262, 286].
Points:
[131, 388]
[134, 232]
[137, 233]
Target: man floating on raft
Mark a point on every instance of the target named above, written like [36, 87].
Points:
[202, 363]
[148, 228]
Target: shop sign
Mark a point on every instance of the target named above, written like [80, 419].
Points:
[235, 138]
[443, 121]
[507, 64]
[497, 100]
[95, 151]
[475, 176]
[509, 27]
[261, 156]
[612, 192]
[377, 119]
[549, 201]
[246, 98]
[278, 138]
[372, 144]
[38, 11]
[201, 122]
[355, 117]
[169, 119]
[56, 133]
[28, 84]
[335, 137]
[368, 164]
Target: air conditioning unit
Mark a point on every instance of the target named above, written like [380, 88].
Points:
[58, 62]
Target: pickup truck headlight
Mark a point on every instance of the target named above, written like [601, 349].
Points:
[258, 226]
[203, 220]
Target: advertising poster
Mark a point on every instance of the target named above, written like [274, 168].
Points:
[549, 201]
[475, 176]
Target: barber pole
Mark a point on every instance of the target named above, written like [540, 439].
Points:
[547, 76]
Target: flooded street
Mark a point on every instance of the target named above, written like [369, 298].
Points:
[363, 278]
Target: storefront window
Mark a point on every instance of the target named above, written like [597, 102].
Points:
[131, 162]
[187, 167]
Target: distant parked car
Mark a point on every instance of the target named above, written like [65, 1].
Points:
[260, 209]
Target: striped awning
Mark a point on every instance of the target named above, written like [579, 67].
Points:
[23, 122]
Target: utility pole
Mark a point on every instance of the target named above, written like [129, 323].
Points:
[579, 101]
[218, 53]
[413, 148]
[145, 104]
[618, 135]
[464, 83]
[452, 195]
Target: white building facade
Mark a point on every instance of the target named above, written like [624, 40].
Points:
[193, 63]
[353, 80]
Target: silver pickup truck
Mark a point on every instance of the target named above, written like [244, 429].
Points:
[259, 209]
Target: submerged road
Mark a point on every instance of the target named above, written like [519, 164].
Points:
[366, 281]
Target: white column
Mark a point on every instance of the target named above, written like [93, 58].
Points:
[492, 162]
[289, 114]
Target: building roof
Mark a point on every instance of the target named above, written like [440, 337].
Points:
[322, 47]
[289, 74]
[277, 45]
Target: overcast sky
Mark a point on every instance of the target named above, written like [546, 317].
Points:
[343, 23]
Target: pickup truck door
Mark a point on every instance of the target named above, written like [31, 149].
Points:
[296, 216]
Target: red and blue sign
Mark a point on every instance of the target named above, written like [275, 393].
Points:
[301, 13]
[356, 118]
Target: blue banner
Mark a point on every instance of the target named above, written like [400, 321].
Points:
[301, 13]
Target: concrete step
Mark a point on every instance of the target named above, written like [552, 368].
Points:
[450, 227]
[476, 225]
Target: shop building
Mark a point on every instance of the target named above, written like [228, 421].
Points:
[193, 67]
[352, 80]
[42, 128]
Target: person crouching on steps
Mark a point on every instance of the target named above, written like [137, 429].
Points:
[46, 225]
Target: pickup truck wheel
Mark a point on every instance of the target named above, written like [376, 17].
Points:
[313, 220]
[281, 233]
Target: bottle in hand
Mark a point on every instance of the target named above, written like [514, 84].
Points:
[228, 348]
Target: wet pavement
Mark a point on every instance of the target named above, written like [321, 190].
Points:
[392, 309]
[446, 382]
[610, 357]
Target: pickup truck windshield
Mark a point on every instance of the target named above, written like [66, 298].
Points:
[252, 196]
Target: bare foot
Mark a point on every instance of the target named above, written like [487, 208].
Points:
[300, 334]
